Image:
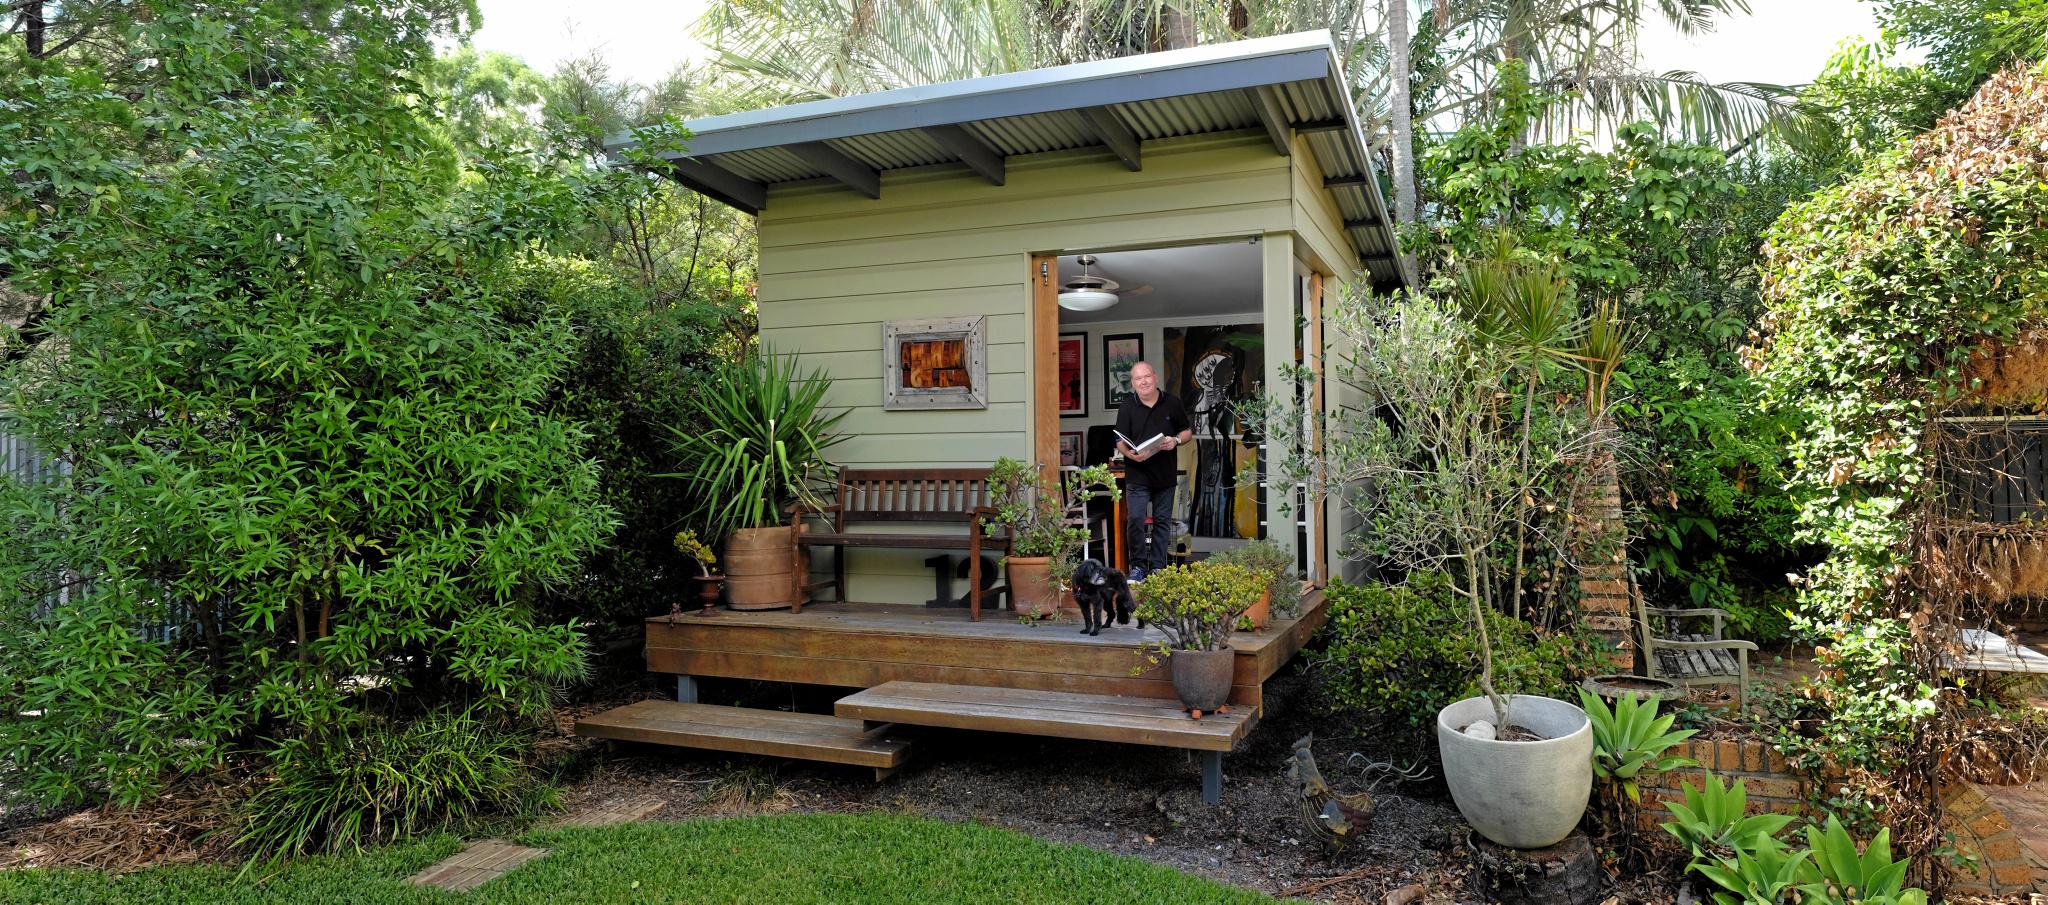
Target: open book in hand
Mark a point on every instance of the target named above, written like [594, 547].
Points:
[1143, 449]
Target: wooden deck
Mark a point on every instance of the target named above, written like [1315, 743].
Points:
[862, 645]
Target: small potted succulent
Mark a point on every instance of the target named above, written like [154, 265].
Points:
[1046, 533]
[1283, 590]
[1196, 607]
[707, 581]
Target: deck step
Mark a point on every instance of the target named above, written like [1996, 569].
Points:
[746, 730]
[1098, 717]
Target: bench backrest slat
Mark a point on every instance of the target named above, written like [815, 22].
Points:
[912, 495]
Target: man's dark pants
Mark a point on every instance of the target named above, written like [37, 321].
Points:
[1141, 501]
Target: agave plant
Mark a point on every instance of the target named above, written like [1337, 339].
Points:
[1631, 738]
[1713, 824]
[1839, 873]
[759, 444]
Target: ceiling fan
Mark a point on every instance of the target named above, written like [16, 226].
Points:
[1094, 292]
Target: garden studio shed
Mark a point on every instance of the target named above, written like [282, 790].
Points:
[1218, 194]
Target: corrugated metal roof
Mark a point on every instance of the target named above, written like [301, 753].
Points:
[1217, 88]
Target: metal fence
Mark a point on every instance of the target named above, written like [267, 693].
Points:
[1993, 469]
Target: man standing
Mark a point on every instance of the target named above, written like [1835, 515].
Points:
[1149, 478]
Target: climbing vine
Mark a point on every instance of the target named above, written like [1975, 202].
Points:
[1881, 292]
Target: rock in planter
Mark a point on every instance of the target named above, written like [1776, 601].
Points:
[1521, 794]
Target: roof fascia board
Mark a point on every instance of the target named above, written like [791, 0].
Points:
[710, 137]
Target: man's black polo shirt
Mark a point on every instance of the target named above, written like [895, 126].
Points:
[1138, 421]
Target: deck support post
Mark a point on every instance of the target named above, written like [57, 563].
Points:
[686, 689]
[1212, 777]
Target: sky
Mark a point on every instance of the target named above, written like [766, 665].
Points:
[1781, 42]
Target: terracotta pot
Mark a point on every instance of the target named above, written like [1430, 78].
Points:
[760, 572]
[1031, 586]
[709, 589]
[1202, 677]
[1261, 613]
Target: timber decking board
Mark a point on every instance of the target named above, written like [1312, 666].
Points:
[849, 673]
[795, 735]
[1058, 714]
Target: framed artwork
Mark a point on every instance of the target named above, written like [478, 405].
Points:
[935, 363]
[1073, 375]
[1070, 448]
[1119, 354]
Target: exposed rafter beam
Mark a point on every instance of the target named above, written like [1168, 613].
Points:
[1273, 119]
[1341, 181]
[1324, 125]
[972, 151]
[849, 172]
[1362, 224]
[719, 183]
[1111, 132]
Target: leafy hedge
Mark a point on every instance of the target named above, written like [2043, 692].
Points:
[1404, 651]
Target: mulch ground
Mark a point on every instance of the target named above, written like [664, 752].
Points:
[1138, 801]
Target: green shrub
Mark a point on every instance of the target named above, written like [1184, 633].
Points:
[1197, 605]
[1268, 558]
[1404, 651]
[307, 441]
[378, 781]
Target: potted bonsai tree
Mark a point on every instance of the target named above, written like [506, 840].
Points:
[1283, 589]
[1196, 607]
[707, 581]
[754, 453]
[1047, 530]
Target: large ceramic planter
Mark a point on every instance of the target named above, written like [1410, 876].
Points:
[1202, 678]
[760, 571]
[1031, 586]
[1519, 794]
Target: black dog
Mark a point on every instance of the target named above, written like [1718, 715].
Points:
[1103, 593]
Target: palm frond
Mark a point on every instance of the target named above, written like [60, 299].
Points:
[1730, 115]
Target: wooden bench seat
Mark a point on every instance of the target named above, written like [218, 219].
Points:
[1697, 663]
[956, 497]
[1110, 718]
[746, 730]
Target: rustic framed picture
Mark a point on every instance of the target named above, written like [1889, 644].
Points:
[1070, 448]
[1073, 376]
[1120, 352]
[935, 363]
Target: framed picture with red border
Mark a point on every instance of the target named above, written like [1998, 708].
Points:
[1073, 375]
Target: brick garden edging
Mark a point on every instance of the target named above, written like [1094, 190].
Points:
[1981, 831]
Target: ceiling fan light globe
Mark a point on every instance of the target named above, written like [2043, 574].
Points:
[1087, 299]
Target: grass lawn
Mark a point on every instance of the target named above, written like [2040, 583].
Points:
[784, 860]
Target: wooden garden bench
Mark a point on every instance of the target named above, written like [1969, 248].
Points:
[1693, 658]
[923, 496]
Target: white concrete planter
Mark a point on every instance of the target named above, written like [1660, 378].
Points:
[1519, 794]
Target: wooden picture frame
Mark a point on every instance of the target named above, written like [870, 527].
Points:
[962, 342]
[1120, 352]
[1071, 445]
[1073, 375]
